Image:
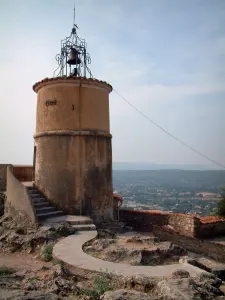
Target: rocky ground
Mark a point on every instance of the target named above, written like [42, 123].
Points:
[136, 250]
[2, 200]
[56, 282]
[28, 271]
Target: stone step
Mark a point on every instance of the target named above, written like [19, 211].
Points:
[48, 215]
[36, 196]
[38, 200]
[80, 222]
[33, 191]
[45, 209]
[30, 188]
[84, 227]
[40, 204]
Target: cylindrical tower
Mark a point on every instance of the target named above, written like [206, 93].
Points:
[72, 154]
[73, 165]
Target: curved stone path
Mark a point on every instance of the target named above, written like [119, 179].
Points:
[70, 251]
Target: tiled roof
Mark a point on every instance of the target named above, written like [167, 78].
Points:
[117, 196]
[182, 215]
[45, 80]
[211, 219]
[150, 212]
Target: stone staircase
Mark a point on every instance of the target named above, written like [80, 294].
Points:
[43, 208]
[81, 223]
[48, 213]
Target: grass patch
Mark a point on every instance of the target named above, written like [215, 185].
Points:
[6, 271]
[206, 276]
[58, 262]
[35, 278]
[102, 283]
[47, 252]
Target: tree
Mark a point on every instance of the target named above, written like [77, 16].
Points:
[221, 205]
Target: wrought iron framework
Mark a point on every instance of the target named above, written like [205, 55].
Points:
[79, 46]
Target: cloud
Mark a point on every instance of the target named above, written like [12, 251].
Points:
[160, 56]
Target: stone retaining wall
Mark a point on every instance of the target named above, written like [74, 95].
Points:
[213, 250]
[210, 229]
[143, 220]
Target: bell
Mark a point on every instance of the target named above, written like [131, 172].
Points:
[74, 58]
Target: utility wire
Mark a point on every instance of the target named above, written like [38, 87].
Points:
[168, 133]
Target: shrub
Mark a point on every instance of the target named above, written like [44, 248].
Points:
[102, 283]
[221, 205]
[6, 271]
[47, 252]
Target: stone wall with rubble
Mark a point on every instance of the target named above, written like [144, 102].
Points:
[143, 220]
[183, 224]
[211, 249]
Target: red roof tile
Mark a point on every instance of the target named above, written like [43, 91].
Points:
[45, 80]
[117, 197]
[211, 219]
[150, 212]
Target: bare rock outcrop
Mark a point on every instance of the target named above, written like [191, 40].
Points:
[106, 234]
[141, 239]
[16, 236]
[126, 295]
[188, 289]
[179, 273]
[159, 254]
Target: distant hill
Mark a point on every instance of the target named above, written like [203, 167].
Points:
[179, 180]
[127, 166]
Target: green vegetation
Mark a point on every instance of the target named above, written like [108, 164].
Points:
[6, 271]
[221, 205]
[206, 276]
[47, 252]
[58, 262]
[102, 283]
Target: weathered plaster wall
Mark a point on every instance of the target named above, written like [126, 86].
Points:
[18, 199]
[80, 105]
[214, 250]
[73, 164]
[75, 170]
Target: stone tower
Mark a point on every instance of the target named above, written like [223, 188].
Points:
[73, 154]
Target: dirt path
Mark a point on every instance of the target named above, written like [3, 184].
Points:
[21, 261]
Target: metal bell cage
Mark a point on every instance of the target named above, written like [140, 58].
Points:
[73, 53]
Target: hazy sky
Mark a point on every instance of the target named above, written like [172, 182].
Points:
[167, 57]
